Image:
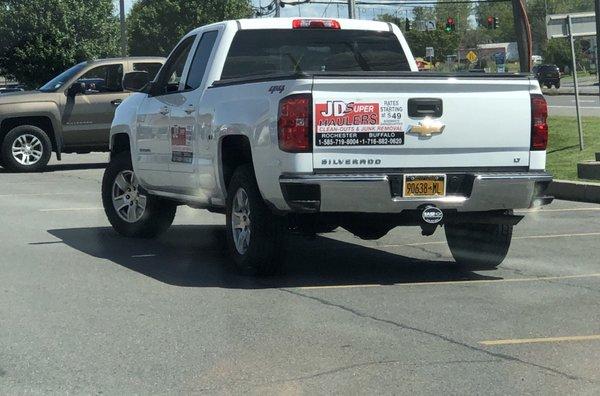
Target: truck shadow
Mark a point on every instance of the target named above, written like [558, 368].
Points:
[195, 256]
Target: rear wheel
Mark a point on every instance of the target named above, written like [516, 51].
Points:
[26, 148]
[254, 234]
[131, 210]
[479, 246]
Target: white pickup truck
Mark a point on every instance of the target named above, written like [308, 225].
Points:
[304, 125]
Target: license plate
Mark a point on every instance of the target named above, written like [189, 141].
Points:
[424, 186]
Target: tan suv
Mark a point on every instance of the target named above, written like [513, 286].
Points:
[72, 113]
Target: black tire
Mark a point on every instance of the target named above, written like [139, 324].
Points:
[557, 86]
[548, 86]
[154, 219]
[479, 246]
[262, 254]
[42, 145]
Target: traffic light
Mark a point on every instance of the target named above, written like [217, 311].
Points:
[450, 25]
[493, 22]
[407, 25]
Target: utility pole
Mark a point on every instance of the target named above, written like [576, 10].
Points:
[123, 29]
[597, 2]
[277, 9]
[352, 9]
[523, 35]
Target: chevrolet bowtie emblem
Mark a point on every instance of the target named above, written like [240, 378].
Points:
[426, 128]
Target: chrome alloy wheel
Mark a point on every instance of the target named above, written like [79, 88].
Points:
[27, 149]
[127, 200]
[240, 221]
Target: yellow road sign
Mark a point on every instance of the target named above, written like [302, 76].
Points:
[472, 57]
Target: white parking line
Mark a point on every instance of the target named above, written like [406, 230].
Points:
[43, 194]
[460, 282]
[557, 210]
[573, 107]
[585, 234]
[68, 209]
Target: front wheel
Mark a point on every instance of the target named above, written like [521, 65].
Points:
[479, 246]
[130, 209]
[26, 148]
[254, 234]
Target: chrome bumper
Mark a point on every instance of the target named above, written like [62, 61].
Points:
[372, 193]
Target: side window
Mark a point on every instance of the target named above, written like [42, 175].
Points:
[151, 68]
[170, 75]
[102, 79]
[200, 61]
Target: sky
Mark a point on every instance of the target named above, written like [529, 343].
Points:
[316, 10]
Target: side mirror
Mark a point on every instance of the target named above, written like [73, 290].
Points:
[76, 89]
[135, 81]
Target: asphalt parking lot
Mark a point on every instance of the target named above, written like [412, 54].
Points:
[83, 310]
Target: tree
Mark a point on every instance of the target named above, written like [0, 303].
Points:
[155, 26]
[40, 38]
[443, 43]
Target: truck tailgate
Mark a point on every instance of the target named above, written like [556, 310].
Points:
[428, 122]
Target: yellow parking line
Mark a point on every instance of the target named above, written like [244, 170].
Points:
[68, 209]
[465, 282]
[539, 340]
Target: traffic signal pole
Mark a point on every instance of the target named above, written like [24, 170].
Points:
[575, 82]
[597, 3]
[352, 9]
[523, 33]
[123, 29]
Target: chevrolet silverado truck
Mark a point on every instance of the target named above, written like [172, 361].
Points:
[305, 125]
[72, 113]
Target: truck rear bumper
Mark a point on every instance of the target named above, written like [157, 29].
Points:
[373, 193]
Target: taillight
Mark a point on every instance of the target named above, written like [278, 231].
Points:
[315, 24]
[294, 123]
[539, 122]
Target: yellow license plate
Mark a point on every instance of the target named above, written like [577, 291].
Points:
[424, 186]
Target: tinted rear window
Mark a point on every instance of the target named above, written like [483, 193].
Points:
[274, 51]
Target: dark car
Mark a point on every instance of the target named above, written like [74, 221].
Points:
[548, 75]
[11, 89]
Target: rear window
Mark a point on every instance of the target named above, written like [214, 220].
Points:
[274, 51]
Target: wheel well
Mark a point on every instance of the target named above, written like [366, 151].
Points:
[235, 151]
[120, 143]
[44, 123]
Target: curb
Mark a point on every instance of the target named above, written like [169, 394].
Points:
[575, 191]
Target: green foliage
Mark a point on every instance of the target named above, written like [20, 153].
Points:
[155, 26]
[563, 145]
[443, 43]
[40, 38]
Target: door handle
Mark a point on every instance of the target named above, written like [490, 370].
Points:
[164, 111]
[116, 102]
[190, 109]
